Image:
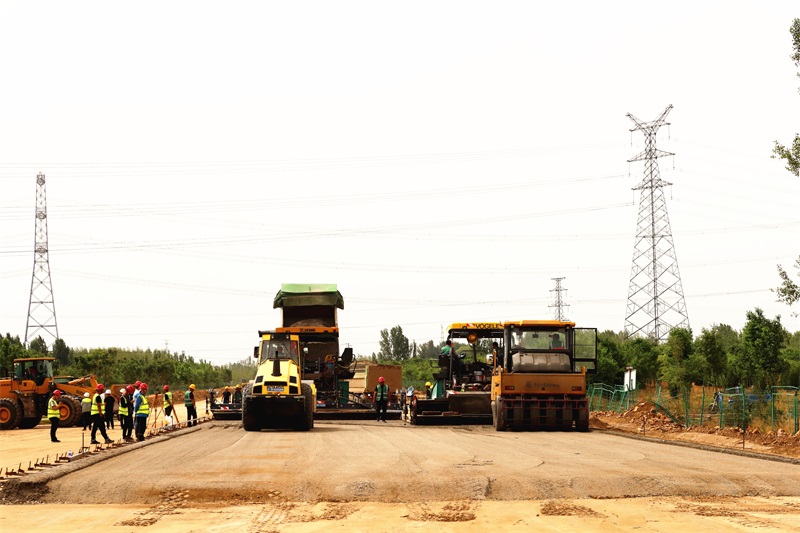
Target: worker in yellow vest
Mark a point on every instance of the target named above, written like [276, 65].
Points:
[98, 422]
[54, 414]
[142, 409]
[126, 413]
[168, 406]
[191, 408]
[381, 399]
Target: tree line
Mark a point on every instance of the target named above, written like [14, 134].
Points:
[118, 365]
[761, 355]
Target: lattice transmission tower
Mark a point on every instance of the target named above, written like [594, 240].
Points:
[559, 305]
[41, 306]
[655, 295]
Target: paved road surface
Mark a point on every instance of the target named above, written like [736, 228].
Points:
[369, 461]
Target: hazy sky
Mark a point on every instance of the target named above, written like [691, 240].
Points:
[439, 161]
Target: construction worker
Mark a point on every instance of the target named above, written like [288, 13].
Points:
[447, 349]
[555, 342]
[136, 392]
[381, 399]
[237, 394]
[98, 422]
[131, 413]
[191, 409]
[226, 395]
[86, 410]
[407, 403]
[497, 355]
[428, 390]
[168, 407]
[125, 413]
[54, 414]
[142, 409]
[109, 401]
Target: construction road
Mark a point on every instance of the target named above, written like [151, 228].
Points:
[461, 474]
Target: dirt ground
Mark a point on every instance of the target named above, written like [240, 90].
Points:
[365, 475]
[643, 419]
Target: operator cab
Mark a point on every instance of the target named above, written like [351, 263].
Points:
[36, 370]
[278, 346]
[549, 346]
[538, 339]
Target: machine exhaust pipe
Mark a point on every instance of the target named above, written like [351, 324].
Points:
[276, 365]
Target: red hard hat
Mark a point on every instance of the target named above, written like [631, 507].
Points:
[143, 386]
[137, 383]
[100, 387]
[166, 388]
[129, 388]
[381, 380]
[56, 392]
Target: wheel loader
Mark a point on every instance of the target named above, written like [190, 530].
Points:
[24, 395]
[542, 381]
[279, 397]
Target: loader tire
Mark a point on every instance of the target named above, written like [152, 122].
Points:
[10, 414]
[250, 421]
[70, 412]
[307, 423]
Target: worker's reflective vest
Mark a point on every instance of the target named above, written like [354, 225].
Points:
[87, 401]
[381, 392]
[123, 405]
[95, 408]
[187, 398]
[167, 396]
[52, 408]
[144, 407]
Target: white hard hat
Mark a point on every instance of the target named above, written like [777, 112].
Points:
[85, 394]
[122, 391]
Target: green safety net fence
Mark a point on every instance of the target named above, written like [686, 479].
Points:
[773, 409]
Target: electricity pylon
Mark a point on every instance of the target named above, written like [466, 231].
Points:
[559, 305]
[655, 295]
[41, 306]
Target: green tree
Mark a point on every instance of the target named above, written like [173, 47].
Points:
[61, 351]
[789, 291]
[38, 347]
[673, 358]
[10, 348]
[709, 348]
[610, 359]
[791, 154]
[642, 354]
[394, 346]
[791, 355]
[760, 357]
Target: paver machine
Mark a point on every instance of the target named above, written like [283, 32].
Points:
[24, 395]
[542, 381]
[309, 311]
[461, 388]
[279, 397]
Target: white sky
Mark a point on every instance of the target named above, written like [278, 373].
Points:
[439, 161]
